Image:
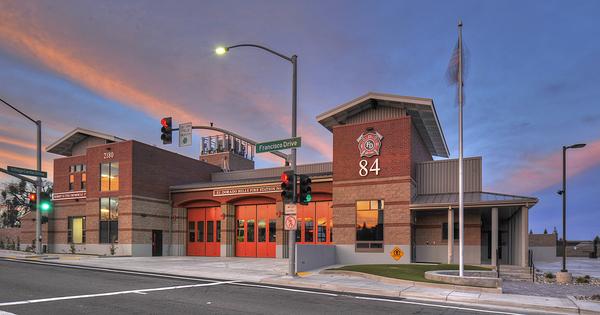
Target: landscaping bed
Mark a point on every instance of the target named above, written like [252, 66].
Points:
[410, 272]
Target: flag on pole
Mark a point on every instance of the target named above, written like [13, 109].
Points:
[455, 76]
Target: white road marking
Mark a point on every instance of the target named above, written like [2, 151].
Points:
[142, 291]
[114, 270]
[437, 305]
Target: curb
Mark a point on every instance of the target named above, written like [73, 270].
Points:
[585, 307]
[412, 283]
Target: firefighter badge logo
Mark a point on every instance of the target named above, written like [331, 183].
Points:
[369, 143]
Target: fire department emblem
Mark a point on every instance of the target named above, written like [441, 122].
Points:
[369, 143]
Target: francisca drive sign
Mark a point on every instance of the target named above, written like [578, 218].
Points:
[246, 190]
[69, 195]
[278, 145]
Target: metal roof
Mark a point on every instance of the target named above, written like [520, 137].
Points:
[64, 145]
[471, 199]
[421, 110]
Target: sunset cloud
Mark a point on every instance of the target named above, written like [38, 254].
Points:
[541, 172]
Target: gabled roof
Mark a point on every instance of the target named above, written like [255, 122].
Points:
[421, 110]
[471, 199]
[64, 145]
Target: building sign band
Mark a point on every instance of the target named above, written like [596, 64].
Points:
[369, 144]
[246, 190]
[69, 195]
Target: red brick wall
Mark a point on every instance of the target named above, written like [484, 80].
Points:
[154, 170]
[394, 158]
[61, 173]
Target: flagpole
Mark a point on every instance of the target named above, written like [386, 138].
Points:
[461, 213]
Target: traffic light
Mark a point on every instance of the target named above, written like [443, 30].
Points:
[45, 205]
[304, 196]
[166, 130]
[44, 219]
[288, 183]
[32, 197]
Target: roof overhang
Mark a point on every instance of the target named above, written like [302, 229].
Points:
[64, 145]
[471, 200]
[421, 110]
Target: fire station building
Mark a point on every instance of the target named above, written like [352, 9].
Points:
[383, 198]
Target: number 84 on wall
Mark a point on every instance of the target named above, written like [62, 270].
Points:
[365, 168]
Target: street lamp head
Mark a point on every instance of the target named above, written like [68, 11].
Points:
[577, 146]
[221, 50]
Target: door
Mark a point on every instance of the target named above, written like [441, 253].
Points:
[204, 232]
[256, 231]
[266, 217]
[315, 223]
[157, 243]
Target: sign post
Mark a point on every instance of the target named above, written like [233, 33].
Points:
[277, 145]
[185, 134]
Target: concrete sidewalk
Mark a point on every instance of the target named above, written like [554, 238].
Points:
[273, 271]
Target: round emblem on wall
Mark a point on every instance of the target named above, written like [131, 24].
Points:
[369, 143]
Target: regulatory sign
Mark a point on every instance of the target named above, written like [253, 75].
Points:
[26, 171]
[396, 253]
[185, 134]
[291, 208]
[278, 145]
[290, 224]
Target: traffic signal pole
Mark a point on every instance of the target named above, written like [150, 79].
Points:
[292, 233]
[38, 185]
[38, 191]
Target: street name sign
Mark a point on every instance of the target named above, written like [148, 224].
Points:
[26, 171]
[290, 223]
[291, 208]
[185, 134]
[278, 145]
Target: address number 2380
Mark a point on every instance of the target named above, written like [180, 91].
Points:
[365, 169]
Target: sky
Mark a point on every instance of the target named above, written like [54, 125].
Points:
[119, 66]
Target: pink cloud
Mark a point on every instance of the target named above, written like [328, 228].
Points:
[541, 172]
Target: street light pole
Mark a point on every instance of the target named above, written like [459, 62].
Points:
[38, 186]
[563, 192]
[294, 60]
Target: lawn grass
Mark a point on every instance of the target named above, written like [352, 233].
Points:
[411, 272]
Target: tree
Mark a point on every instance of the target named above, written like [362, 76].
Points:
[14, 201]
[545, 231]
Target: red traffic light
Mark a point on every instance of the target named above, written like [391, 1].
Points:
[32, 197]
[285, 178]
[164, 122]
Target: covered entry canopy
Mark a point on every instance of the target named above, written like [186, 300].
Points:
[471, 200]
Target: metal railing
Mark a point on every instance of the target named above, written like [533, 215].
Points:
[498, 262]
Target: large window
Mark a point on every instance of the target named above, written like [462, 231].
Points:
[76, 230]
[369, 225]
[83, 181]
[109, 176]
[71, 181]
[445, 231]
[109, 220]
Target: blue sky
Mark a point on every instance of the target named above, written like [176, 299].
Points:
[117, 67]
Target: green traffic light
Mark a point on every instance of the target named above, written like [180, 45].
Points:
[308, 198]
[45, 206]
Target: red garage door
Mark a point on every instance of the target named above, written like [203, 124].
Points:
[255, 230]
[204, 232]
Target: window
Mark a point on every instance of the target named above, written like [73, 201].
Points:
[192, 231]
[218, 230]
[83, 180]
[240, 231]
[210, 232]
[200, 231]
[71, 181]
[262, 231]
[76, 230]
[322, 230]
[445, 231]
[109, 176]
[72, 169]
[109, 220]
[369, 225]
[309, 230]
[272, 230]
[250, 235]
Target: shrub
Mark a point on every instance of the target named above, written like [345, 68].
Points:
[582, 280]
[72, 248]
[1, 244]
[587, 277]
[549, 275]
[113, 248]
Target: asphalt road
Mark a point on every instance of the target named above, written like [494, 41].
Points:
[28, 288]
